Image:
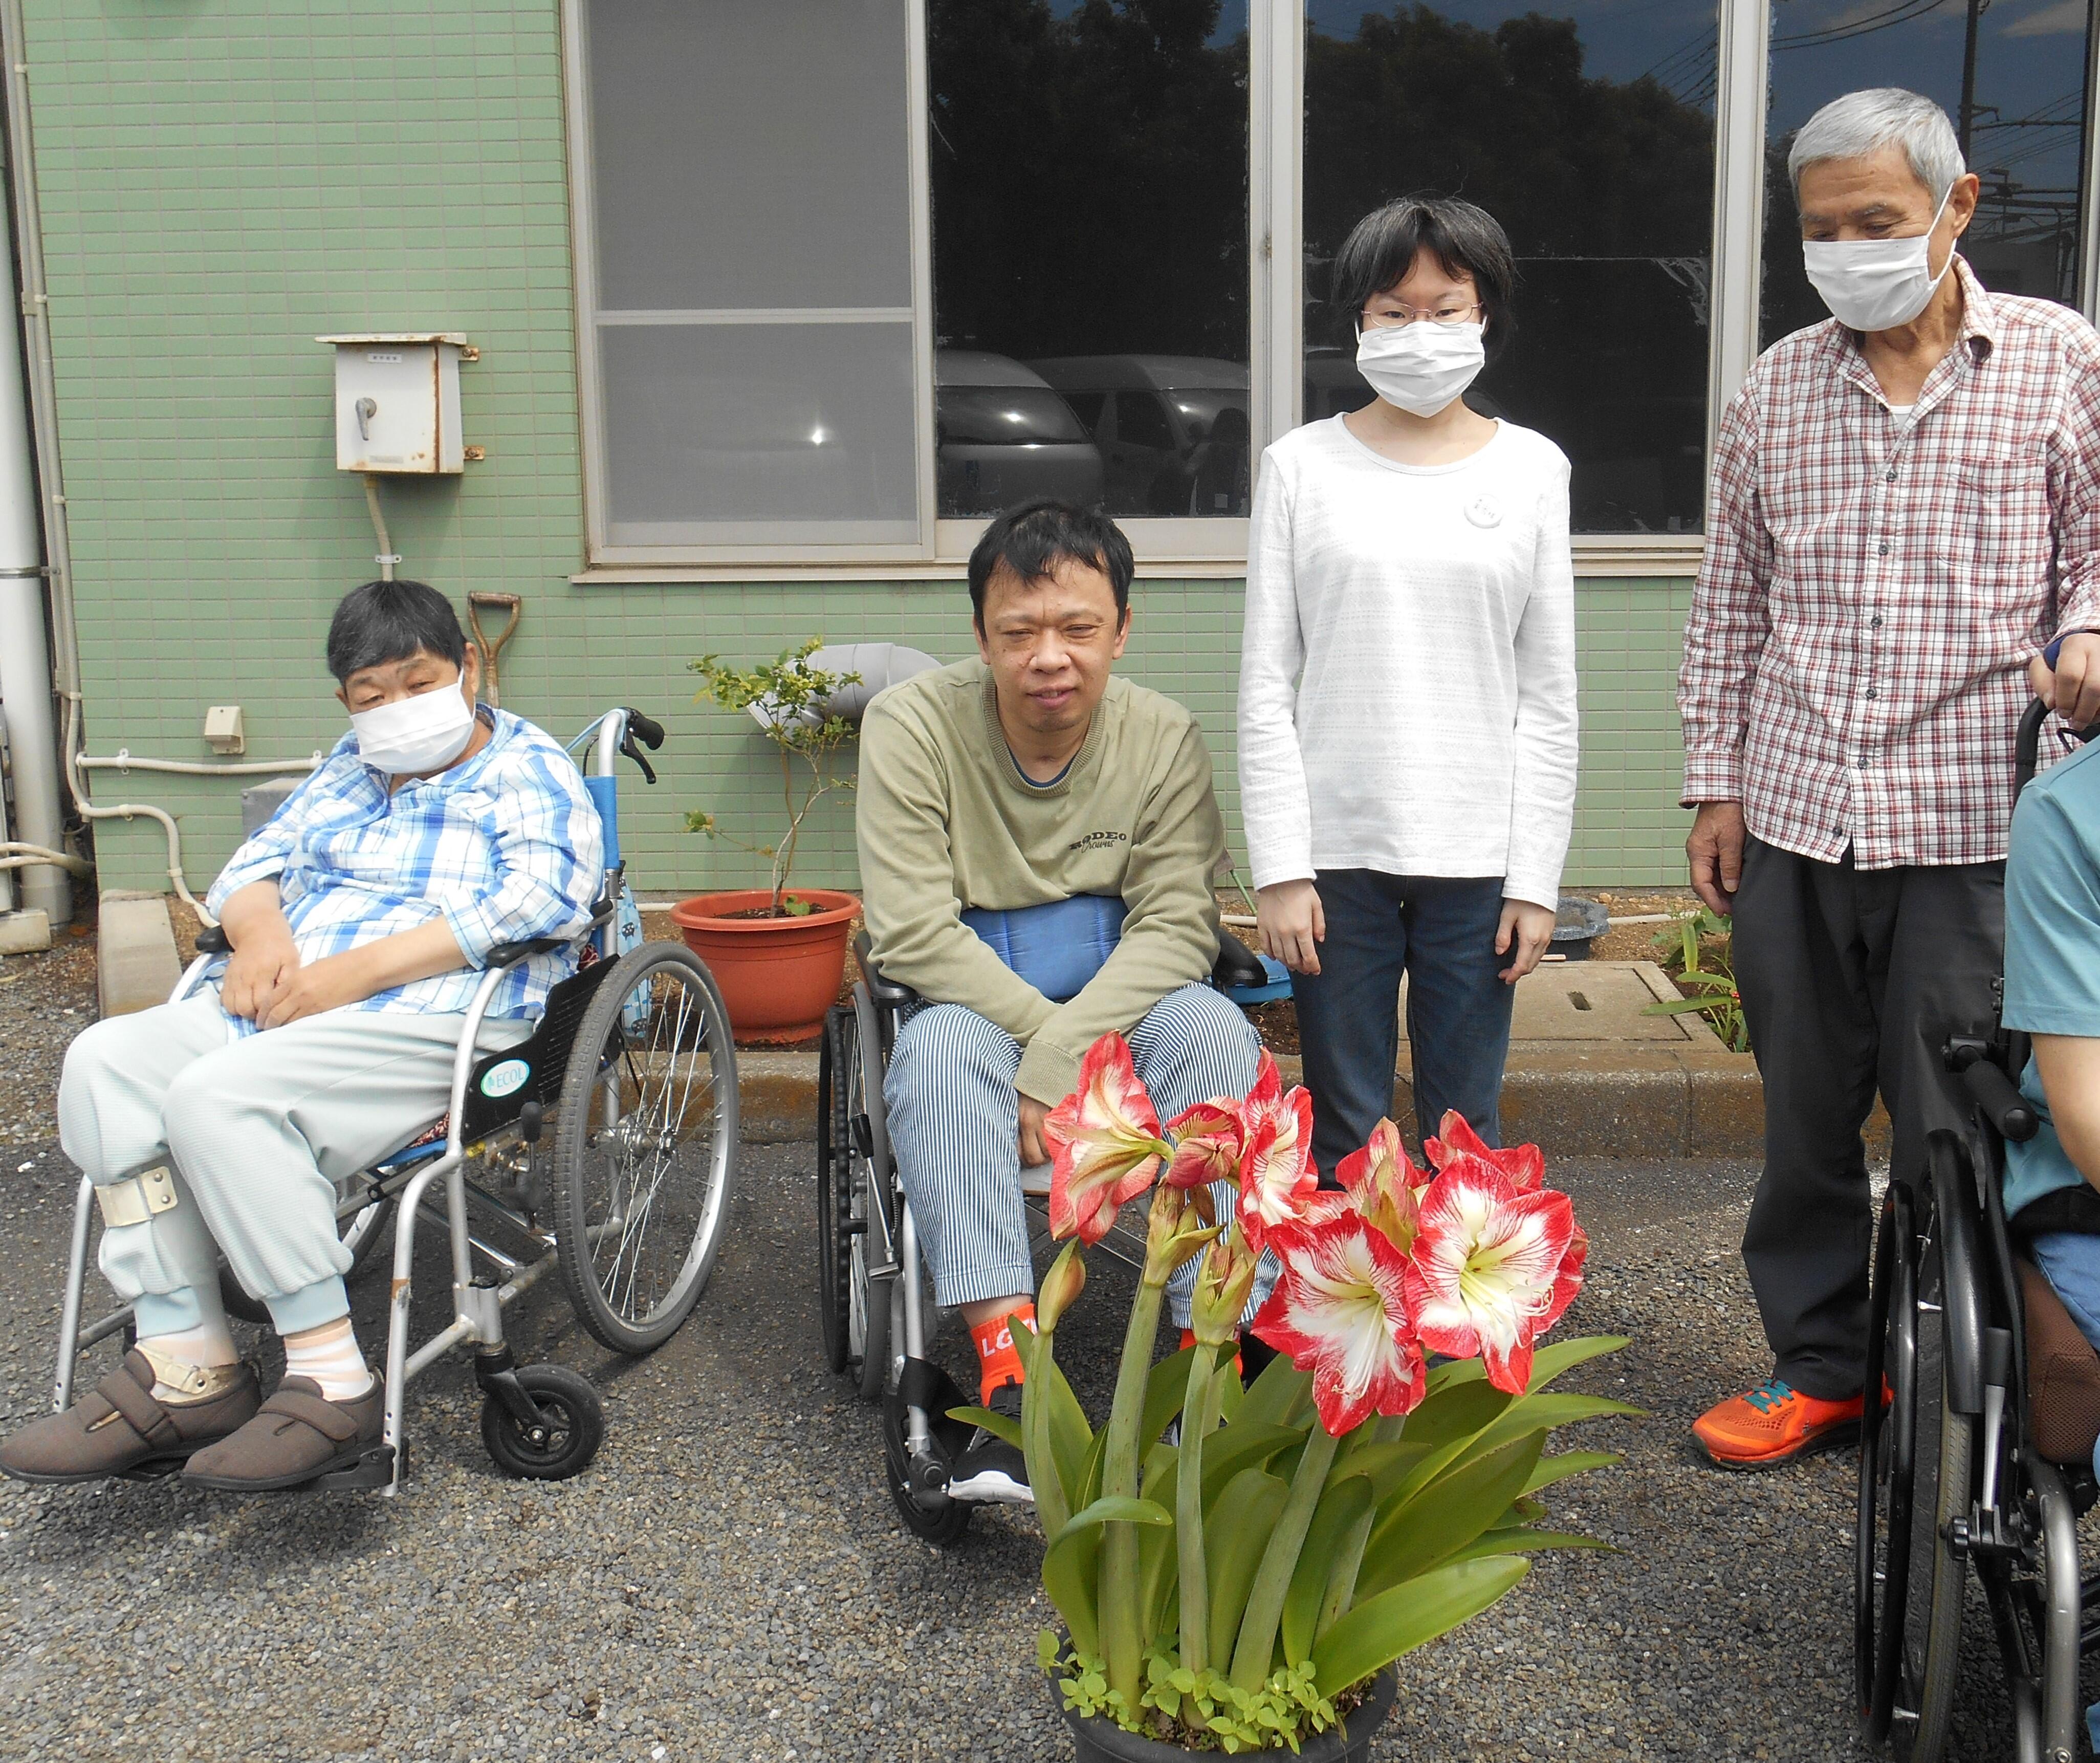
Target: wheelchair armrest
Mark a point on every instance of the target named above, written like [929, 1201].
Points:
[882, 991]
[213, 940]
[1237, 964]
[510, 954]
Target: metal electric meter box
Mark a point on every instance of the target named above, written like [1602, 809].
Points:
[397, 402]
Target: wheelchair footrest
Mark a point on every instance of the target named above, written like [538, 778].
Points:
[374, 1469]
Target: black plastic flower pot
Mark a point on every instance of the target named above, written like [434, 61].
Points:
[1097, 1740]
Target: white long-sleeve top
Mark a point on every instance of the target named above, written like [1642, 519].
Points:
[1407, 674]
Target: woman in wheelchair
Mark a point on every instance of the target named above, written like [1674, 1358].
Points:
[1037, 840]
[359, 918]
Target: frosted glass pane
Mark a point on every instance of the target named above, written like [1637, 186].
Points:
[724, 434]
[749, 153]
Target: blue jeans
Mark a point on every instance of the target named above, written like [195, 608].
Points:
[1440, 932]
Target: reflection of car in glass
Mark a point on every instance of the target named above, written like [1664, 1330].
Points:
[1150, 414]
[1004, 436]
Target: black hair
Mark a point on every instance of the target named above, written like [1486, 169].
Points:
[1033, 538]
[390, 621]
[1465, 238]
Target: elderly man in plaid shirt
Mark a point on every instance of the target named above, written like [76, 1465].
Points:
[359, 919]
[1905, 509]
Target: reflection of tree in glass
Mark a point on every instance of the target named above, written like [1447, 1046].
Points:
[1606, 190]
[1089, 179]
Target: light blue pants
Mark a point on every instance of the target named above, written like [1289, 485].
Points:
[954, 1124]
[257, 1129]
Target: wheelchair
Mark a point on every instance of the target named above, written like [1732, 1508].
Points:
[1980, 1459]
[873, 1298]
[603, 1145]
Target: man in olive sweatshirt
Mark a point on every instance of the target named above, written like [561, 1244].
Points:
[1037, 843]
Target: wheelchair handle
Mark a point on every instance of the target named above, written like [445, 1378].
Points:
[2027, 744]
[647, 731]
[2003, 1106]
[213, 940]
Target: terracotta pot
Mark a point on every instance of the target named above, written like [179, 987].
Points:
[1102, 1741]
[777, 975]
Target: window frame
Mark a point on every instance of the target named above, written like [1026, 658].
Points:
[1218, 548]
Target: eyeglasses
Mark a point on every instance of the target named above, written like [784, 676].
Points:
[1393, 317]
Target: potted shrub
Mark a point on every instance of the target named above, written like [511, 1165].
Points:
[778, 953]
[1247, 1587]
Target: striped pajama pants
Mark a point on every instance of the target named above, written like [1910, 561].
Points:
[954, 1126]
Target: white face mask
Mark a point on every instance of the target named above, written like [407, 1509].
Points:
[412, 736]
[1422, 367]
[1876, 283]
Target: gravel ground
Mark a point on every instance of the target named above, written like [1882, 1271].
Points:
[729, 1580]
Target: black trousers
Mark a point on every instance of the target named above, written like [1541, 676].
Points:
[1850, 980]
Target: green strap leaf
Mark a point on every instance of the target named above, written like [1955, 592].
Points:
[1115, 1508]
[1236, 1532]
[1340, 1506]
[1165, 1387]
[1446, 1516]
[1568, 1462]
[1521, 1540]
[1396, 1622]
[1068, 1579]
[1277, 1394]
[999, 1426]
[1549, 1362]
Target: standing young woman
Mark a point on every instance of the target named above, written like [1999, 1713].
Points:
[1407, 689]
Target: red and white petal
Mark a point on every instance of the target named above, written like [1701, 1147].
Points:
[1207, 1141]
[1339, 1311]
[1489, 1266]
[1524, 1165]
[1276, 1176]
[1104, 1144]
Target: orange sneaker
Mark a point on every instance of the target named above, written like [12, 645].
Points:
[1774, 1423]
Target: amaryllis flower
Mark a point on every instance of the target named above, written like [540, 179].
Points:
[1276, 1176]
[1492, 1269]
[1381, 1184]
[1104, 1144]
[1340, 1311]
[1208, 1139]
[1524, 1165]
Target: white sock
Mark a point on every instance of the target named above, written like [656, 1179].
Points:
[330, 1356]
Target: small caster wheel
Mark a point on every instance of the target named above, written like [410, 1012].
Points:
[572, 1426]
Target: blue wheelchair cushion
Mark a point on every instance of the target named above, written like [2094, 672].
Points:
[1057, 947]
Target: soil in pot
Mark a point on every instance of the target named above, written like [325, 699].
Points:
[1097, 1740]
[777, 975]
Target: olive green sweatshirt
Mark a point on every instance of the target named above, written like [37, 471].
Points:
[947, 822]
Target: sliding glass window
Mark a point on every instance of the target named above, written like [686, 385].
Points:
[1590, 138]
[1089, 171]
[2012, 76]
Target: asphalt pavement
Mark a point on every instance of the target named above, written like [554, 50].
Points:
[730, 1581]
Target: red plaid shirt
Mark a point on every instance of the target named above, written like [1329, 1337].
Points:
[1855, 665]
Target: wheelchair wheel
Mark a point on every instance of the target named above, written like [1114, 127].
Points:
[1916, 1462]
[645, 1149]
[852, 1185]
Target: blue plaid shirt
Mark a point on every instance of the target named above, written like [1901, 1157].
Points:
[503, 847]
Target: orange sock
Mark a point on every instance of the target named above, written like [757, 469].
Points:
[1189, 1339]
[998, 1362]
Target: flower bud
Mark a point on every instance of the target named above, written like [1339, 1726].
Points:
[1224, 1280]
[1060, 1288]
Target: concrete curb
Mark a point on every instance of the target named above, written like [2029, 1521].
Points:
[1607, 1101]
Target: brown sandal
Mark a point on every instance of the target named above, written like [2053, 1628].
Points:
[120, 1428]
[297, 1436]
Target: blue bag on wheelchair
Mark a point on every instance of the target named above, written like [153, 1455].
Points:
[1057, 947]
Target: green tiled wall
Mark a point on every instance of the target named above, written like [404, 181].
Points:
[222, 180]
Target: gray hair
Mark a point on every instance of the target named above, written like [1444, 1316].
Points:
[1863, 123]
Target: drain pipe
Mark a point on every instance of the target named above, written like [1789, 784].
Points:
[25, 667]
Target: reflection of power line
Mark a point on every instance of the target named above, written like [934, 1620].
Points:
[1901, 13]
